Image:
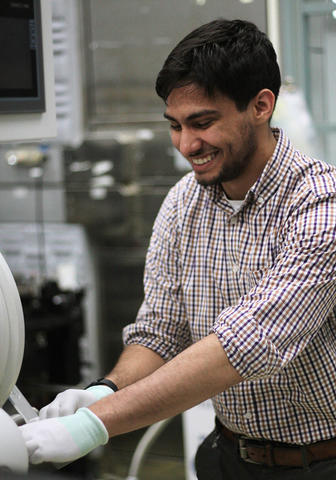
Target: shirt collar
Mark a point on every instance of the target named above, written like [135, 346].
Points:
[275, 169]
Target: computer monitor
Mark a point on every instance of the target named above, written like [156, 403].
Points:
[21, 57]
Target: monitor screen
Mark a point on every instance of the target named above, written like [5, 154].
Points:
[21, 79]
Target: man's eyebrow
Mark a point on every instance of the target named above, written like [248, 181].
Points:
[193, 116]
[168, 117]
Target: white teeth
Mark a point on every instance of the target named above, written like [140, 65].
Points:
[202, 161]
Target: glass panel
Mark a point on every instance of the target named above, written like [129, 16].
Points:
[321, 73]
[125, 53]
[330, 146]
[316, 60]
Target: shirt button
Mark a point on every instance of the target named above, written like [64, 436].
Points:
[260, 200]
[235, 267]
[248, 415]
[234, 220]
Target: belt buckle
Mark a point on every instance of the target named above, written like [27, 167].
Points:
[242, 449]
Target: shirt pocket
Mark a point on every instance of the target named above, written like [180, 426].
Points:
[260, 258]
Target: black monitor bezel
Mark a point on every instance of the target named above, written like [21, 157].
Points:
[33, 101]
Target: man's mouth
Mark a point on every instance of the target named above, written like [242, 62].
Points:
[203, 160]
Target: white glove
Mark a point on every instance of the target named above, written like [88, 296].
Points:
[69, 401]
[63, 439]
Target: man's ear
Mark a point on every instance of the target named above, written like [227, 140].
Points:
[263, 105]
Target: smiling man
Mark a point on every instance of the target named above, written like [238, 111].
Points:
[239, 283]
[223, 145]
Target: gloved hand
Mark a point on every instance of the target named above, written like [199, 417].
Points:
[63, 439]
[71, 400]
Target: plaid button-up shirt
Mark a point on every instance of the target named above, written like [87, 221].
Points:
[263, 280]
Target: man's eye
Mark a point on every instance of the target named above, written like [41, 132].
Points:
[203, 124]
[176, 128]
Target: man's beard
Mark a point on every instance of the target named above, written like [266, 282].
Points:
[240, 160]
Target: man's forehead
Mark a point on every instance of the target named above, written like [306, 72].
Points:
[192, 100]
[191, 91]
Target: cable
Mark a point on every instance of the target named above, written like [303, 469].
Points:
[143, 446]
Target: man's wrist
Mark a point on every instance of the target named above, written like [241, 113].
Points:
[86, 429]
[104, 381]
[100, 391]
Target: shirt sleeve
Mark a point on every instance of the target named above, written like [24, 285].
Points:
[161, 323]
[274, 322]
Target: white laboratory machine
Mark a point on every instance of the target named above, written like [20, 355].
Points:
[13, 453]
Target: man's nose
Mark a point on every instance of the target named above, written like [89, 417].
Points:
[189, 142]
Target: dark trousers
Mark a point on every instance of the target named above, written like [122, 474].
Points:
[217, 459]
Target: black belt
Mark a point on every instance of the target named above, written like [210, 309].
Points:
[265, 452]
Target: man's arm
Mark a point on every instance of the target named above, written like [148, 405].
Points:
[198, 373]
[135, 362]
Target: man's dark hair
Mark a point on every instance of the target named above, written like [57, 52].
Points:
[231, 57]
